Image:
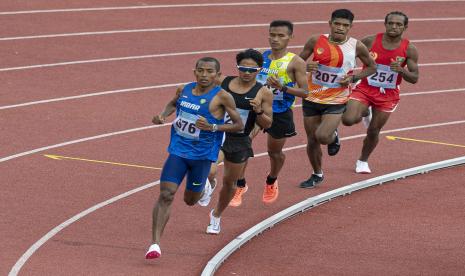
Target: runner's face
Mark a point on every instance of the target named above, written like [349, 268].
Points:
[279, 37]
[339, 29]
[395, 25]
[206, 73]
[248, 76]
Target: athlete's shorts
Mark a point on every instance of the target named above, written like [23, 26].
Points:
[176, 168]
[237, 149]
[283, 125]
[316, 109]
[386, 102]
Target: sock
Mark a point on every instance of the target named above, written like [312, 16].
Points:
[270, 180]
[318, 174]
[241, 183]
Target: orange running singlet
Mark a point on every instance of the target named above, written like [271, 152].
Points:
[335, 62]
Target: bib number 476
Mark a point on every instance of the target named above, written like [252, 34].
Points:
[185, 126]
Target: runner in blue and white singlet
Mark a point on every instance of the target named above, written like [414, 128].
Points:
[187, 140]
[196, 135]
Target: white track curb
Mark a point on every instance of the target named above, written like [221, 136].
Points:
[311, 202]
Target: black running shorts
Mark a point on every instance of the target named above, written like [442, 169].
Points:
[283, 125]
[237, 149]
[316, 109]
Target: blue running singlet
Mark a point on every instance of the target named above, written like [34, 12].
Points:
[187, 140]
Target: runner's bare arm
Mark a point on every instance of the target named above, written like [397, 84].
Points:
[312, 66]
[308, 48]
[226, 100]
[169, 108]
[262, 105]
[300, 78]
[411, 75]
[368, 41]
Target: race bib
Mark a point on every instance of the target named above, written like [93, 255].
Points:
[278, 95]
[184, 125]
[261, 78]
[328, 76]
[384, 77]
[244, 116]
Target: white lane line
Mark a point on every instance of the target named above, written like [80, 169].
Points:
[195, 5]
[79, 141]
[21, 261]
[433, 92]
[115, 59]
[31, 250]
[145, 88]
[442, 63]
[190, 28]
[132, 90]
[10, 157]
[180, 54]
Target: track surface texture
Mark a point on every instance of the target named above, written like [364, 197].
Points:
[84, 79]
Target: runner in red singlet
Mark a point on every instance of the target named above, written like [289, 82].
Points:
[380, 91]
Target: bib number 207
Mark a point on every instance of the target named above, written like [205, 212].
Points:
[325, 77]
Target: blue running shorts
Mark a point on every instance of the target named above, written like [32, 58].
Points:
[176, 168]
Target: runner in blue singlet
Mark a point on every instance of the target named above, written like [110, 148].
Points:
[196, 136]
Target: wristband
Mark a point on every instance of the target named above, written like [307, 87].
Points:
[214, 127]
[259, 113]
[284, 89]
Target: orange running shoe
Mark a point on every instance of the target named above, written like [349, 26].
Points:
[271, 192]
[237, 199]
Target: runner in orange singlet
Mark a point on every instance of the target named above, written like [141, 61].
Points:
[334, 58]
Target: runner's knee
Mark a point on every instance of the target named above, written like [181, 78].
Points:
[350, 120]
[190, 200]
[166, 197]
[373, 131]
[277, 155]
[324, 138]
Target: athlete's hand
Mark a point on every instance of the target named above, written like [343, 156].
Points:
[158, 120]
[273, 82]
[346, 80]
[396, 66]
[312, 66]
[203, 124]
[256, 104]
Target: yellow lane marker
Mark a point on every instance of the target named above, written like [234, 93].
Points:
[59, 157]
[423, 141]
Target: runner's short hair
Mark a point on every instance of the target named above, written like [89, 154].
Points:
[397, 13]
[209, 59]
[252, 54]
[283, 23]
[343, 13]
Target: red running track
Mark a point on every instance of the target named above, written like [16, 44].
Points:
[41, 193]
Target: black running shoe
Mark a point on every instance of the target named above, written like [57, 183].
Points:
[334, 147]
[312, 182]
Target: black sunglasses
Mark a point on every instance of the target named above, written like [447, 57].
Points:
[248, 69]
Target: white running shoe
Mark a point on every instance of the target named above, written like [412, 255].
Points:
[367, 119]
[153, 252]
[362, 167]
[214, 226]
[207, 194]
